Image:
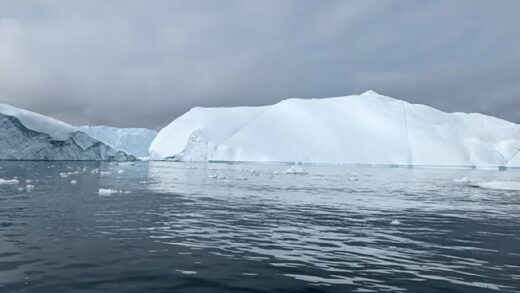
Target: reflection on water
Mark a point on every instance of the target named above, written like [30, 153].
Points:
[220, 227]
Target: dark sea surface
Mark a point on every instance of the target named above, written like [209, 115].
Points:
[181, 227]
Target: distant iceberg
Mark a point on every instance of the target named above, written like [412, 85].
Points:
[360, 129]
[135, 141]
[25, 135]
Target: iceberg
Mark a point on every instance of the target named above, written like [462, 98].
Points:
[135, 141]
[25, 135]
[369, 129]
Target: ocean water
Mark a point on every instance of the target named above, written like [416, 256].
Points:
[181, 227]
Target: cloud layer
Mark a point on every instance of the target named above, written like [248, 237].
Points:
[143, 63]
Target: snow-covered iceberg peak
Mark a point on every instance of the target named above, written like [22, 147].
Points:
[359, 129]
[25, 135]
[39, 123]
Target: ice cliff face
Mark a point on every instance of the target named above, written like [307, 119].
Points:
[135, 141]
[358, 129]
[25, 135]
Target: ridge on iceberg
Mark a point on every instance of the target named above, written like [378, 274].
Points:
[25, 135]
[359, 129]
[135, 141]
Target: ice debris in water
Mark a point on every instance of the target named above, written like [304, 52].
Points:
[73, 182]
[67, 174]
[295, 170]
[395, 222]
[353, 178]
[9, 181]
[462, 180]
[214, 176]
[29, 187]
[499, 185]
[106, 191]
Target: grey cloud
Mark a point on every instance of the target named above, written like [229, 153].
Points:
[143, 63]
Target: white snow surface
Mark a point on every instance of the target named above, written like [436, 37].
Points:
[135, 141]
[56, 129]
[359, 129]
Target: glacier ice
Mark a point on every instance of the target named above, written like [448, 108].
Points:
[25, 135]
[135, 141]
[359, 129]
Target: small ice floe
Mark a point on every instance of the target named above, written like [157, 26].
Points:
[104, 173]
[120, 171]
[353, 178]
[295, 170]
[67, 174]
[108, 192]
[395, 222]
[9, 181]
[212, 176]
[28, 181]
[498, 185]
[29, 187]
[73, 182]
[187, 272]
[462, 180]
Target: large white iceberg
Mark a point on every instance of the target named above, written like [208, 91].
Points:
[358, 129]
[135, 141]
[25, 135]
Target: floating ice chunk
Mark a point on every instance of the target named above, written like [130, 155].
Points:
[28, 181]
[212, 176]
[187, 272]
[462, 180]
[67, 174]
[295, 170]
[395, 222]
[120, 171]
[9, 181]
[106, 191]
[499, 185]
[104, 173]
[29, 187]
[353, 178]
[73, 182]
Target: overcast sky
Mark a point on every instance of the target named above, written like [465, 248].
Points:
[143, 63]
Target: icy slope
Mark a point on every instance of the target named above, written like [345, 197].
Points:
[135, 141]
[358, 129]
[25, 135]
